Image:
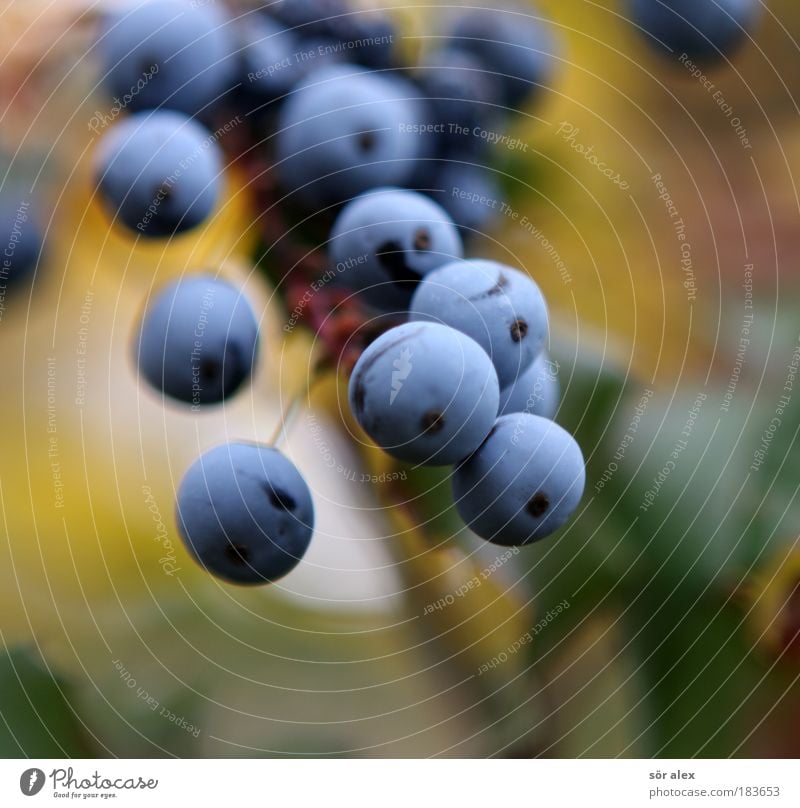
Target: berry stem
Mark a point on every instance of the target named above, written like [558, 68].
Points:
[291, 410]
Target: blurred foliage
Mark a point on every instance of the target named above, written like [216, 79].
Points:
[680, 634]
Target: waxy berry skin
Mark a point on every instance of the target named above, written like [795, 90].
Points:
[425, 393]
[159, 173]
[198, 341]
[245, 513]
[501, 308]
[523, 483]
[344, 131]
[387, 240]
[536, 391]
[168, 54]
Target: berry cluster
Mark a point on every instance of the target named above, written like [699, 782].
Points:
[447, 353]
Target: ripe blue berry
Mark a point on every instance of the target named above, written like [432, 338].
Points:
[20, 241]
[705, 30]
[463, 99]
[344, 131]
[366, 36]
[168, 53]
[245, 513]
[159, 173]
[535, 391]
[425, 393]
[516, 46]
[198, 342]
[469, 193]
[523, 483]
[501, 308]
[385, 241]
[269, 60]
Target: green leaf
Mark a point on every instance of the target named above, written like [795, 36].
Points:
[698, 677]
[36, 718]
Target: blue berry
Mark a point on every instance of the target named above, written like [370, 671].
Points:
[270, 60]
[159, 173]
[366, 36]
[463, 98]
[198, 341]
[309, 17]
[344, 131]
[469, 193]
[20, 242]
[245, 513]
[425, 393]
[501, 308]
[385, 241]
[535, 391]
[171, 53]
[523, 483]
[705, 30]
[513, 44]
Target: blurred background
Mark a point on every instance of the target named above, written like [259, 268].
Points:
[662, 621]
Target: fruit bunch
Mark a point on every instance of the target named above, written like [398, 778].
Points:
[370, 178]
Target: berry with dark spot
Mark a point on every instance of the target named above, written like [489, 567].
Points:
[159, 173]
[425, 393]
[501, 308]
[245, 513]
[344, 131]
[171, 54]
[385, 241]
[523, 483]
